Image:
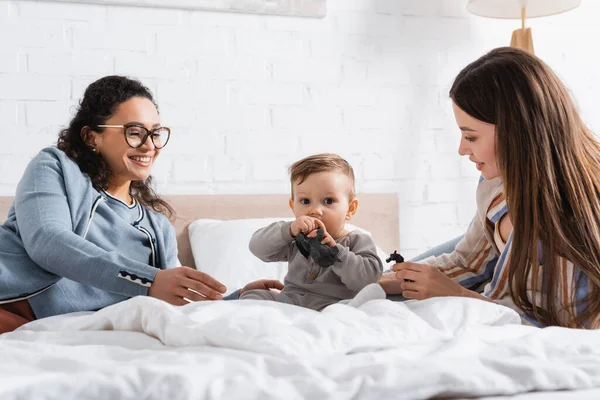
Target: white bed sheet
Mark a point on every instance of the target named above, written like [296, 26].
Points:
[144, 348]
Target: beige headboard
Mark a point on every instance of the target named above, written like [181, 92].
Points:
[377, 213]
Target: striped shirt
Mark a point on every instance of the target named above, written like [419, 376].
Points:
[480, 261]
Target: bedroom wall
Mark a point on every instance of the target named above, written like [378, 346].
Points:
[246, 95]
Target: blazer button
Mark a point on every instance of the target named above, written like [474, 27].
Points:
[312, 276]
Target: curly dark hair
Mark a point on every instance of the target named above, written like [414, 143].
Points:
[99, 103]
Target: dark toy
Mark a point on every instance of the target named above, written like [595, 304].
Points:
[321, 254]
[396, 257]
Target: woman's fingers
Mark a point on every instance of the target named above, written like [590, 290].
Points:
[407, 275]
[206, 281]
[176, 284]
[410, 266]
[178, 301]
[412, 295]
[409, 286]
[201, 288]
[191, 294]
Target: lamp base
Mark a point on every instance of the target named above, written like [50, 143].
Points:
[521, 38]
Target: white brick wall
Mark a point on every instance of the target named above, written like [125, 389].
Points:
[246, 95]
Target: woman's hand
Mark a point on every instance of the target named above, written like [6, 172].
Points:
[263, 284]
[173, 285]
[420, 281]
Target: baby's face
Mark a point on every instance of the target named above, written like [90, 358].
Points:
[325, 196]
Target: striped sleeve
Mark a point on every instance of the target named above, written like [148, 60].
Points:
[472, 262]
[575, 301]
[573, 288]
[474, 258]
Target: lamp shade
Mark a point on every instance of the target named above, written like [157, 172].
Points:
[512, 8]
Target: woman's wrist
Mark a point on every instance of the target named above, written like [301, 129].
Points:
[474, 295]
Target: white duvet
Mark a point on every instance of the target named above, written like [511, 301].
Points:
[144, 348]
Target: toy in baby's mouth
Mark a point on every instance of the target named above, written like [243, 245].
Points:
[322, 254]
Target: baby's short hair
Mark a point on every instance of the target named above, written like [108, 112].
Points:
[326, 162]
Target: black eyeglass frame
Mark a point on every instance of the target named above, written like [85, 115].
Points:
[148, 133]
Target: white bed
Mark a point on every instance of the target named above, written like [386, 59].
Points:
[442, 348]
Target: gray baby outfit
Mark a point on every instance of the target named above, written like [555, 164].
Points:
[307, 284]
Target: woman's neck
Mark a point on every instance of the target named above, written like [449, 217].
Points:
[120, 191]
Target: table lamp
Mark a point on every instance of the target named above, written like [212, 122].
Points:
[520, 9]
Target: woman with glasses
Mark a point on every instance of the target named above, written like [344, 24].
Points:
[86, 230]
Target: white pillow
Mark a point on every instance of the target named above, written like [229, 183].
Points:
[220, 249]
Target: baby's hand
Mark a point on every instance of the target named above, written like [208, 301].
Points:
[263, 284]
[304, 224]
[327, 238]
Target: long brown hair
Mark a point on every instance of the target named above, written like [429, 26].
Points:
[99, 103]
[549, 163]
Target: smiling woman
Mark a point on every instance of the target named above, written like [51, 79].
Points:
[534, 244]
[103, 153]
[477, 142]
[125, 147]
[86, 230]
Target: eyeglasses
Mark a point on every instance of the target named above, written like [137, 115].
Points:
[136, 135]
